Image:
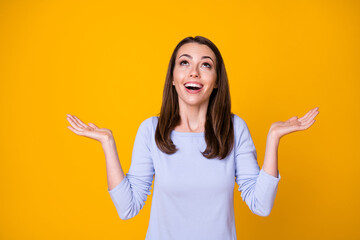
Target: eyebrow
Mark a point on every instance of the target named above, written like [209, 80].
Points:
[187, 55]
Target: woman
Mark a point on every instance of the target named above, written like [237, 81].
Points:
[195, 149]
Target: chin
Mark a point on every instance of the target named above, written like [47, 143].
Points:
[194, 103]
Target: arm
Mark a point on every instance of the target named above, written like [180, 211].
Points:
[114, 170]
[270, 165]
[129, 192]
[103, 135]
[258, 188]
[115, 173]
[280, 129]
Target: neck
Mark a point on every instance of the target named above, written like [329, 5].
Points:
[193, 117]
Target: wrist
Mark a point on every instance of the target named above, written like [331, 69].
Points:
[273, 136]
[107, 139]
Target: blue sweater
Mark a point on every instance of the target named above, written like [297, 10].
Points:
[193, 197]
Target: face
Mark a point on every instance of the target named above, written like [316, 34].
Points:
[194, 75]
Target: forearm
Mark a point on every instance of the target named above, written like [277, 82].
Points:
[270, 165]
[114, 171]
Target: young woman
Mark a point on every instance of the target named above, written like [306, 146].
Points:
[196, 148]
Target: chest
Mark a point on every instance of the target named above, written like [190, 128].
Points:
[188, 172]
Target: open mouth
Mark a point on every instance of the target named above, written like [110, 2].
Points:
[193, 88]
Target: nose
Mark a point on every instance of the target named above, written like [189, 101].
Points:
[194, 73]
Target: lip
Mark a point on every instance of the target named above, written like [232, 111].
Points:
[194, 82]
[193, 91]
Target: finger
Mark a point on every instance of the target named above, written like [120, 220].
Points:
[310, 118]
[93, 125]
[74, 130]
[80, 122]
[309, 114]
[306, 126]
[306, 115]
[74, 124]
[75, 121]
[314, 114]
[72, 120]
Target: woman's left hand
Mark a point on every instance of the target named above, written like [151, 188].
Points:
[280, 129]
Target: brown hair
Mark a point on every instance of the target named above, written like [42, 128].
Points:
[219, 130]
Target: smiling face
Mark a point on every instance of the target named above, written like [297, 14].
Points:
[194, 75]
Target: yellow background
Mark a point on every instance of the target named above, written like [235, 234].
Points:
[106, 61]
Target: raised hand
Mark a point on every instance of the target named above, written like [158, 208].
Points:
[293, 124]
[90, 131]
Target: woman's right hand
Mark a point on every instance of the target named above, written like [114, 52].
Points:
[91, 131]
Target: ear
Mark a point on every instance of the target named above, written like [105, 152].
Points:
[173, 83]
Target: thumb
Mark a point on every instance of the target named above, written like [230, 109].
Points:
[291, 119]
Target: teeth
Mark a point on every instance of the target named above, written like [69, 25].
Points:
[193, 85]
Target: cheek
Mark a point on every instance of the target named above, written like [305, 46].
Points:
[178, 75]
[212, 78]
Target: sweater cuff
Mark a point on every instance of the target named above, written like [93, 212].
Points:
[118, 187]
[270, 177]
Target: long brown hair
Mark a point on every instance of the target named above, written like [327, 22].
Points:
[219, 130]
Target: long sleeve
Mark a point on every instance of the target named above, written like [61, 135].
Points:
[130, 194]
[258, 188]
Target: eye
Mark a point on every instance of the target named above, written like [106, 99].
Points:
[184, 61]
[207, 65]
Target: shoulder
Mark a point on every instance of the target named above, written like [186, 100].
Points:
[146, 131]
[238, 122]
[241, 129]
[243, 139]
[149, 124]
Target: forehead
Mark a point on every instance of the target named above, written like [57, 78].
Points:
[195, 50]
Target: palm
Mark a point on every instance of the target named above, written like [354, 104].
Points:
[294, 124]
[90, 131]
